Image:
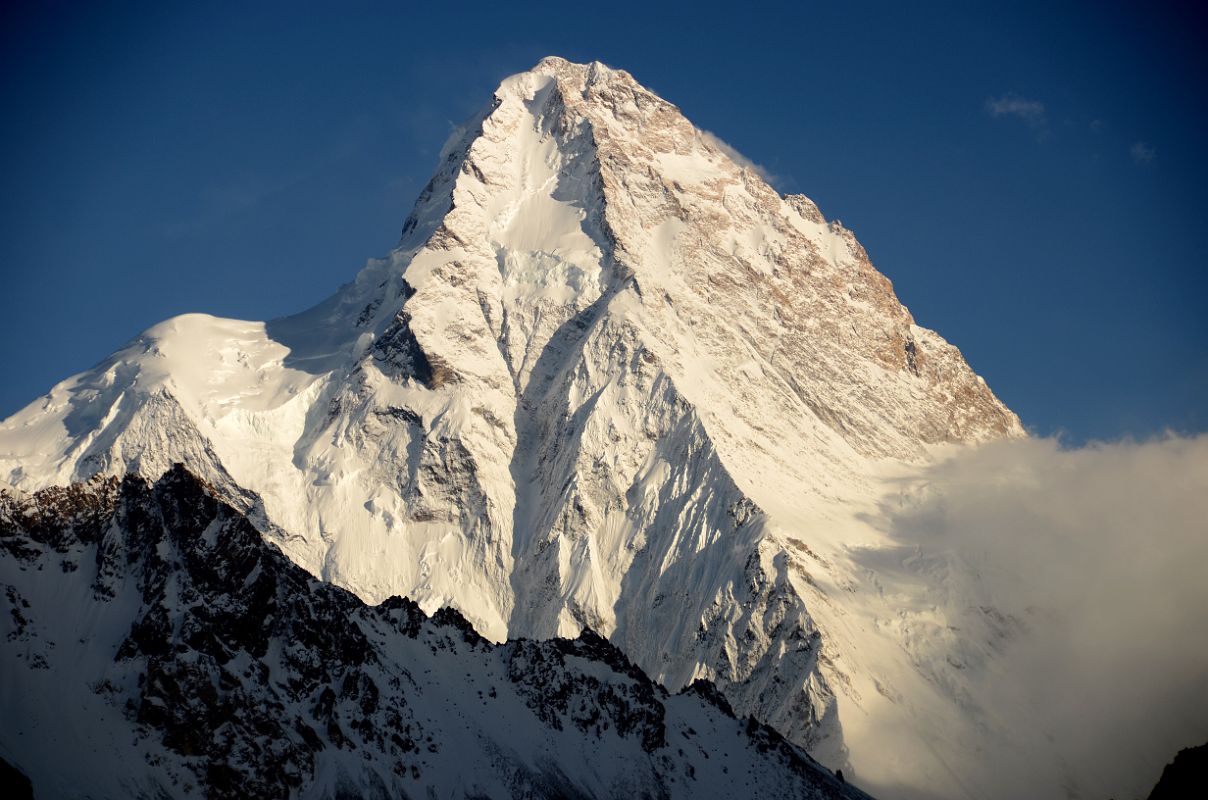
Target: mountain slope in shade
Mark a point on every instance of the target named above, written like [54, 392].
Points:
[609, 379]
[159, 647]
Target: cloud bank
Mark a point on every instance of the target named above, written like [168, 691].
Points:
[1097, 560]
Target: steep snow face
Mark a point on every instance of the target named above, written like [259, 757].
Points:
[609, 378]
[158, 647]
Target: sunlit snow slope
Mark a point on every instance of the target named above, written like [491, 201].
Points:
[609, 377]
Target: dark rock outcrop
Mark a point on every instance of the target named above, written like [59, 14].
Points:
[243, 676]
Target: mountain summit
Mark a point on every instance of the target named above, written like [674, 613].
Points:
[609, 378]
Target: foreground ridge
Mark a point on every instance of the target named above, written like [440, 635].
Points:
[159, 646]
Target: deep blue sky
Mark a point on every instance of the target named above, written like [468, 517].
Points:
[1031, 178]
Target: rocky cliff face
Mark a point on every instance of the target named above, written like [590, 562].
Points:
[156, 646]
[609, 379]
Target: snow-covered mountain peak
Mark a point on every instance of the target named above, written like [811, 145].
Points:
[609, 378]
[577, 183]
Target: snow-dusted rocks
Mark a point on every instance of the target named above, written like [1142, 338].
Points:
[609, 379]
[160, 648]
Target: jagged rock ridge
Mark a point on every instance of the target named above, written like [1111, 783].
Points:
[157, 646]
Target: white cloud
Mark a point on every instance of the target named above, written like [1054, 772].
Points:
[739, 159]
[1142, 153]
[1030, 111]
[1096, 558]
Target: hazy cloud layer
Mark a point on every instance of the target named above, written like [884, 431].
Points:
[1098, 559]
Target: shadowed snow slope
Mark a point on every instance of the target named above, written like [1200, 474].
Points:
[608, 379]
[160, 648]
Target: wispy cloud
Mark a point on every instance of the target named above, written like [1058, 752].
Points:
[1030, 111]
[1142, 153]
[741, 160]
